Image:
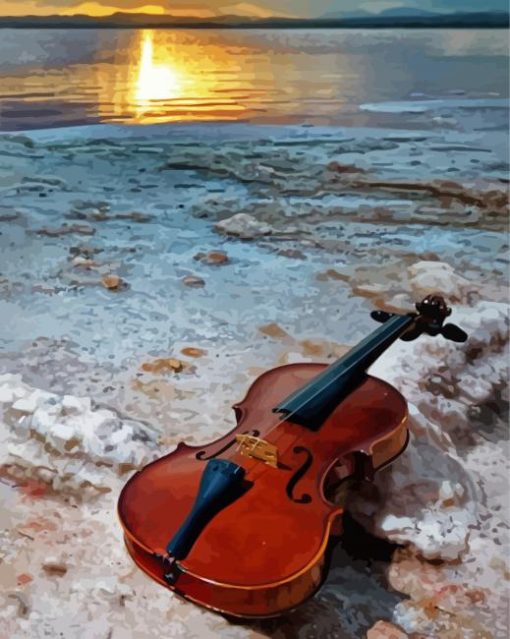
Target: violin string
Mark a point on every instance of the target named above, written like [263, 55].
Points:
[263, 469]
[287, 417]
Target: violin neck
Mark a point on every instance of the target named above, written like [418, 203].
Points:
[311, 404]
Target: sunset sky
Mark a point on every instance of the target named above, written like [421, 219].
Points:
[256, 8]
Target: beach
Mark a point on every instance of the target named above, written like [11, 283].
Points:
[151, 272]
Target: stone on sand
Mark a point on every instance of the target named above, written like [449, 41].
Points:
[439, 277]
[243, 226]
[427, 498]
[66, 441]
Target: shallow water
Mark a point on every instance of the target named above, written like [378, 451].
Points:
[54, 78]
[67, 177]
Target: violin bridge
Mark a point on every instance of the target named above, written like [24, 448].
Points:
[258, 449]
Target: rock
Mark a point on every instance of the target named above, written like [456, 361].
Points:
[134, 216]
[193, 281]
[332, 274]
[112, 282]
[65, 229]
[427, 497]
[243, 226]
[65, 441]
[399, 303]
[214, 258]
[438, 277]
[84, 262]
[35, 488]
[273, 330]
[292, 253]
[84, 251]
[102, 215]
[163, 365]
[337, 167]
[386, 630]
[369, 290]
[9, 215]
[191, 351]
[54, 566]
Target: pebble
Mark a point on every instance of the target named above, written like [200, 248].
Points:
[54, 566]
[385, 630]
[111, 282]
[163, 364]
[273, 330]
[65, 229]
[243, 226]
[191, 351]
[193, 281]
[214, 258]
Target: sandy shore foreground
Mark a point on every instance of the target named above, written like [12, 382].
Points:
[148, 276]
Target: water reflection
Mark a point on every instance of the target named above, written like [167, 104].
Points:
[54, 78]
[172, 82]
[155, 81]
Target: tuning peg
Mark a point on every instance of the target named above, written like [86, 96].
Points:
[412, 333]
[381, 316]
[453, 333]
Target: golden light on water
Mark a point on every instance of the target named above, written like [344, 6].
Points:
[156, 76]
[171, 83]
[176, 75]
[154, 81]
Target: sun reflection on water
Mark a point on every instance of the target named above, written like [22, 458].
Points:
[155, 76]
[154, 81]
[169, 83]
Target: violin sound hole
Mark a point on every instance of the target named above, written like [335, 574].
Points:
[203, 456]
[305, 498]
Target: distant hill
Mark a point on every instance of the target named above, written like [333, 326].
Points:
[408, 12]
[387, 19]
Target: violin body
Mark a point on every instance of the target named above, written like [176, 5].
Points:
[264, 552]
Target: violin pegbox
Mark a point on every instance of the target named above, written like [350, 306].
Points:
[432, 312]
[433, 309]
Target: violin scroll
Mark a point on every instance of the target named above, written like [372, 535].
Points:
[432, 311]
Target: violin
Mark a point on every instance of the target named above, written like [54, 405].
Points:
[242, 525]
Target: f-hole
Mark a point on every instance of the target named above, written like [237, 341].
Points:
[202, 454]
[305, 498]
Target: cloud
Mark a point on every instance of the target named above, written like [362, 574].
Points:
[249, 10]
[99, 9]
[208, 8]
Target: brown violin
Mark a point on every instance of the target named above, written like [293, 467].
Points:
[241, 525]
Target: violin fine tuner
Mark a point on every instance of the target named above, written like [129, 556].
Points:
[241, 525]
